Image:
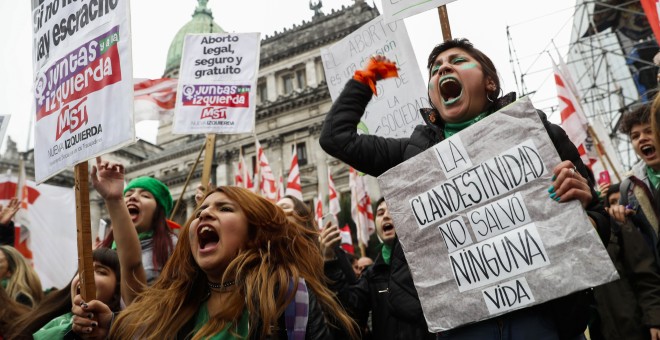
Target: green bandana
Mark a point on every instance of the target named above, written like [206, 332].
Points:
[155, 187]
[386, 252]
[4, 282]
[453, 128]
[141, 236]
[654, 177]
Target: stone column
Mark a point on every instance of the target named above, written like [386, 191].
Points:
[271, 84]
[310, 71]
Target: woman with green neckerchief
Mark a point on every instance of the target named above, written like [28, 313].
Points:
[142, 207]
[463, 89]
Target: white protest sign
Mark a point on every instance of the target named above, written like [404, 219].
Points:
[217, 84]
[488, 239]
[398, 9]
[83, 81]
[394, 112]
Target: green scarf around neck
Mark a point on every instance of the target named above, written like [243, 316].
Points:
[141, 236]
[453, 128]
[654, 177]
[386, 252]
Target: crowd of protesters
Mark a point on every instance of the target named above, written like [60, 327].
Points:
[244, 267]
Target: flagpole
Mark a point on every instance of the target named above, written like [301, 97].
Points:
[84, 232]
[607, 156]
[185, 185]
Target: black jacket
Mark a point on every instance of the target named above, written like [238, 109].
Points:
[7, 234]
[375, 155]
[387, 291]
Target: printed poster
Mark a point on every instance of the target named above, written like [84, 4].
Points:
[399, 9]
[83, 81]
[394, 112]
[479, 230]
[217, 84]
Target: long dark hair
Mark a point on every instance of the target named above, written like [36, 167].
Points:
[162, 239]
[58, 302]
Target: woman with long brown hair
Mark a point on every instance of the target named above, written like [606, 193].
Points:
[244, 271]
[18, 278]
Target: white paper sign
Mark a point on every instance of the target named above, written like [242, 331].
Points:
[489, 239]
[217, 84]
[398, 9]
[83, 82]
[395, 111]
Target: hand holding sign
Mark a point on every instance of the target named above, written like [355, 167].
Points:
[569, 185]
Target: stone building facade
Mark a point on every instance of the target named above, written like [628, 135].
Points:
[292, 100]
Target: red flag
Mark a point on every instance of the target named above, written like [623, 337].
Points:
[280, 188]
[154, 97]
[319, 210]
[267, 185]
[361, 210]
[333, 199]
[293, 186]
[238, 178]
[651, 9]
[346, 239]
[573, 119]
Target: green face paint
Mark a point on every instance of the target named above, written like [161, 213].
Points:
[434, 69]
[468, 66]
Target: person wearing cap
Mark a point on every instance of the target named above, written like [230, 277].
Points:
[138, 214]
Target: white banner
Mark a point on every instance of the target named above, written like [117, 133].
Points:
[480, 232]
[51, 220]
[83, 82]
[398, 9]
[4, 122]
[217, 84]
[394, 112]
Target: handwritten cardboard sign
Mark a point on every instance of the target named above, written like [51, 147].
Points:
[217, 84]
[478, 228]
[399, 9]
[394, 112]
[83, 82]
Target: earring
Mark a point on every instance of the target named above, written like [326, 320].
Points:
[432, 117]
[488, 97]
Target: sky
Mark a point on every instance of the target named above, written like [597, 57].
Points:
[534, 27]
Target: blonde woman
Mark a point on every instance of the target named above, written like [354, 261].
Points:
[18, 278]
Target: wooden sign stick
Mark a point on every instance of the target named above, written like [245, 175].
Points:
[208, 158]
[84, 231]
[444, 22]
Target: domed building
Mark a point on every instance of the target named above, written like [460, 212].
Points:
[202, 22]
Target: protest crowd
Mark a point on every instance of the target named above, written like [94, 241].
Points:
[251, 266]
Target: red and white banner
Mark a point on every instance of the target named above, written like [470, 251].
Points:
[318, 210]
[333, 196]
[293, 186]
[346, 239]
[361, 210]
[83, 82]
[573, 119]
[280, 188]
[51, 241]
[267, 183]
[217, 83]
[651, 9]
[154, 98]
[238, 179]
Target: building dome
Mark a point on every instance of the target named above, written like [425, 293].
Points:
[202, 22]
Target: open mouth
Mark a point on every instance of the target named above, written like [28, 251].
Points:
[207, 236]
[648, 150]
[133, 211]
[450, 89]
[387, 227]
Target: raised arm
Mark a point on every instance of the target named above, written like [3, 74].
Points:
[339, 138]
[108, 180]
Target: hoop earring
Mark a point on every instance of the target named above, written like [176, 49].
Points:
[487, 97]
[432, 117]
